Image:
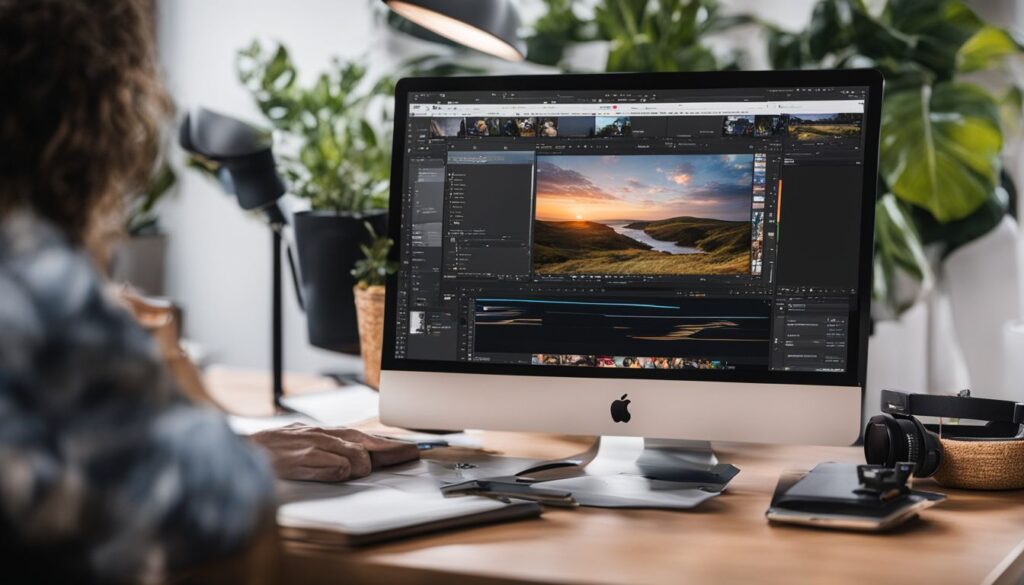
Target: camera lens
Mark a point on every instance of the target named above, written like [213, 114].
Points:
[889, 440]
[877, 444]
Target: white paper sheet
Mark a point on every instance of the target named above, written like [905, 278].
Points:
[339, 407]
[248, 425]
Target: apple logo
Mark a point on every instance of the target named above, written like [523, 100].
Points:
[620, 410]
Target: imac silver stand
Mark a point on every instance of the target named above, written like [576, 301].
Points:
[639, 473]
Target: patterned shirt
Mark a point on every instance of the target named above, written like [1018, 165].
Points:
[106, 471]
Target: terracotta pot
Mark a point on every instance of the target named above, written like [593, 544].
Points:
[370, 315]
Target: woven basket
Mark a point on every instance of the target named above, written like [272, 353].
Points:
[982, 465]
[370, 314]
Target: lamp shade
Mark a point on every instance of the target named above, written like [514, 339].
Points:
[244, 151]
[489, 26]
[256, 181]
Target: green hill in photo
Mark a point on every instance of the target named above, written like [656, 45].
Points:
[709, 235]
[586, 247]
[558, 241]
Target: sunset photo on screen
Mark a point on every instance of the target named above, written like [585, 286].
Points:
[643, 214]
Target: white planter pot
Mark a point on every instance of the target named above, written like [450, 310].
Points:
[1013, 360]
[982, 279]
[947, 369]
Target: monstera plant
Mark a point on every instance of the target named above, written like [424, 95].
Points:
[941, 180]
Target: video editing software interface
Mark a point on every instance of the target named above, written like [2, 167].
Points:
[675, 229]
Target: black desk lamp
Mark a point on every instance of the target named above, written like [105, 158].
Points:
[489, 26]
[245, 164]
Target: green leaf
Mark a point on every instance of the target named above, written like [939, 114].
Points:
[374, 267]
[936, 30]
[830, 27]
[1010, 110]
[940, 148]
[660, 35]
[553, 32]
[877, 38]
[786, 50]
[950, 236]
[898, 238]
[897, 249]
[900, 75]
[159, 185]
[369, 134]
[724, 23]
[141, 207]
[986, 47]
[280, 74]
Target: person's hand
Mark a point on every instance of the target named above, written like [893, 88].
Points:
[302, 452]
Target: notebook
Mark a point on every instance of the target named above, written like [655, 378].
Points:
[383, 507]
[828, 497]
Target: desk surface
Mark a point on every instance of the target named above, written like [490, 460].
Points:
[973, 537]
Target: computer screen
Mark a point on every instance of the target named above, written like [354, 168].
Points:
[686, 233]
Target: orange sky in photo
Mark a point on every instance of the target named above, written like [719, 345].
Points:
[643, 187]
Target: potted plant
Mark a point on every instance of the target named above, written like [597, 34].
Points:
[333, 156]
[139, 258]
[370, 273]
[336, 155]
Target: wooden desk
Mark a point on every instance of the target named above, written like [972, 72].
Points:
[973, 537]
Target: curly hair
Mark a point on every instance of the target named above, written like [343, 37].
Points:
[85, 107]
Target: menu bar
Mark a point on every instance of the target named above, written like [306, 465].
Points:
[640, 109]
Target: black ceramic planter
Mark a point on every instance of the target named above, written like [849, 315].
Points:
[328, 247]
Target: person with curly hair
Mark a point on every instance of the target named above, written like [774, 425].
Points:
[108, 472]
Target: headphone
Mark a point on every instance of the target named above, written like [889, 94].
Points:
[988, 456]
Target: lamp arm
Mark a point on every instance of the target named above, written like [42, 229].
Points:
[293, 265]
[296, 282]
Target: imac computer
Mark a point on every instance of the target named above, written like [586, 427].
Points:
[671, 256]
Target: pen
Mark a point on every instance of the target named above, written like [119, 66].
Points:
[432, 444]
[423, 445]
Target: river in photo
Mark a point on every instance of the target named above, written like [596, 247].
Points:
[657, 245]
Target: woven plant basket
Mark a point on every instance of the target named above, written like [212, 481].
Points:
[370, 314]
[982, 465]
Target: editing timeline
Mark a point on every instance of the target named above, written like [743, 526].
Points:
[645, 230]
